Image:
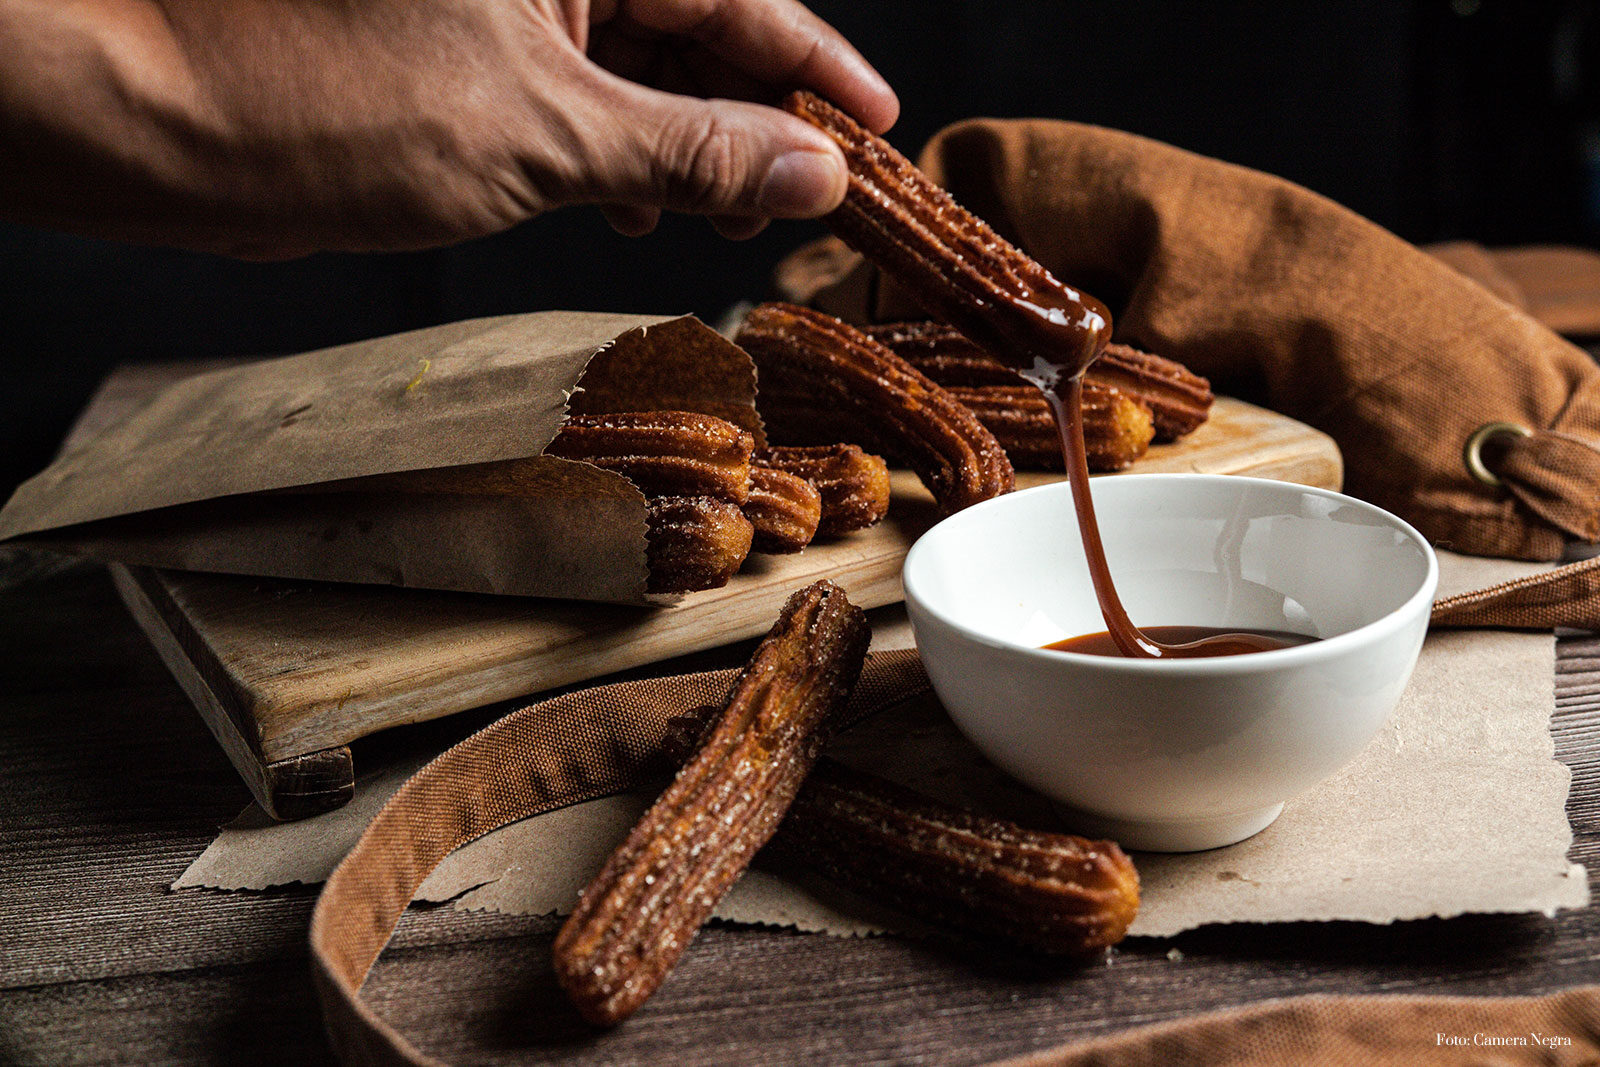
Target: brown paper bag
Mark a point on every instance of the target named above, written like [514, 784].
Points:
[298, 467]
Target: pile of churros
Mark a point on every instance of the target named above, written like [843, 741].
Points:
[713, 497]
[837, 402]
[923, 394]
[1130, 398]
[944, 399]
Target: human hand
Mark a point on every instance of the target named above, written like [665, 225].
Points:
[273, 128]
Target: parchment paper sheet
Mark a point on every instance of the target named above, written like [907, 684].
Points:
[1457, 806]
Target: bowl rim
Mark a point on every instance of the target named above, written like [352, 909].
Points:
[1295, 655]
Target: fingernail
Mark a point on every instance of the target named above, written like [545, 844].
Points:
[801, 184]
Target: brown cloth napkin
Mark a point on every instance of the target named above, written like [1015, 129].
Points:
[1556, 284]
[607, 739]
[1284, 297]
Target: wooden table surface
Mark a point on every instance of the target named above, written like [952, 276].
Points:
[110, 786]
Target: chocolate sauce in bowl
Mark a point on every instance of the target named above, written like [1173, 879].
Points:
[1181, 637]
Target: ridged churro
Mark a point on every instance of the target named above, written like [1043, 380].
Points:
[886, 404]
[1047, 892]
[1179, 399]
[695, 542]
[784, 509]
[1116, 429]
[647, 904]
[854, 484]
[951, 261]
[664, 453]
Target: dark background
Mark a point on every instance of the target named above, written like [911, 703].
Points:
[1437, 118]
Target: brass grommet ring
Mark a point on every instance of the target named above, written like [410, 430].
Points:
[1472, 454]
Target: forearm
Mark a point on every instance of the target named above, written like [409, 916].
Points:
[102, 128]
[230, 127]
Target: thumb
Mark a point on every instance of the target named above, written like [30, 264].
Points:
[710, 157]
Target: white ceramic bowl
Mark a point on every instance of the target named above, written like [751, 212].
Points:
[1172, 755]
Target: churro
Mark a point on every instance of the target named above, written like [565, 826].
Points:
[1179, 399]
[1116, 429]
[694, 542]
[664, 453]
[647, 904]
[853, 483]
[889, 405]
[950, 261]
[784, 509]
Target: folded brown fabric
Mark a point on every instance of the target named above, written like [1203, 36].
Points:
[1283, 297]
[1562, 1028]
[1479, 264]
[1558, 285]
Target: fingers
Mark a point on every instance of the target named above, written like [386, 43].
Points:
[738, 227]
[631, 220]
[723, 158]
[776, 42]
[638, 149]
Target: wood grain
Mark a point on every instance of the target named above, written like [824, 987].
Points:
[297, 787]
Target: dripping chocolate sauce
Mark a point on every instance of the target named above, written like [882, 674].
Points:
[1084, 331]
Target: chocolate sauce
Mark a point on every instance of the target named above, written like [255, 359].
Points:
[1065, 394]
[1062, 331]
[1180, 640]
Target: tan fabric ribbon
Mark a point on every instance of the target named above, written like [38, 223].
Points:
[561, 751]
[607, 739]
[1373, 1031]
[1564, 597]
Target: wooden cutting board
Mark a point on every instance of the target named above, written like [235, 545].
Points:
[287, 673]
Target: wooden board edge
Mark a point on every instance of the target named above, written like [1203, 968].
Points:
[508, 678]
[140, 589]
[287, 789]
[1324, 471]
[303, 786]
